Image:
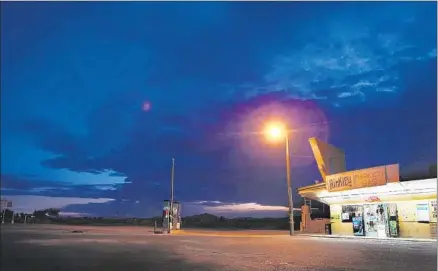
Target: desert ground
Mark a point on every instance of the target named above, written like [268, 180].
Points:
[53, 247]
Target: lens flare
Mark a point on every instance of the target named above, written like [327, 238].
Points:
[146, 106]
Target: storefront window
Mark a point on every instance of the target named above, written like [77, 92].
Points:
[351, 211]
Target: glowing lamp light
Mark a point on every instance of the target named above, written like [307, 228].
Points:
[275, 131]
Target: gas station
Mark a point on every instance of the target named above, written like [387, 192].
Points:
[372, 202]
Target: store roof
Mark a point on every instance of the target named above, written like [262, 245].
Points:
[407, 190]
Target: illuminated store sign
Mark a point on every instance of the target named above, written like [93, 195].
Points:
[369, 177]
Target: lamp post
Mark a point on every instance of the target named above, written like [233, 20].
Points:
[289, 188]
[277, 131]
[171, 196]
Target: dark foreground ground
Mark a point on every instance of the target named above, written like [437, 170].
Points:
[51, 247]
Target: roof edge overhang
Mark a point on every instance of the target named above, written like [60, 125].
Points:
[313, 187]
[400, 191]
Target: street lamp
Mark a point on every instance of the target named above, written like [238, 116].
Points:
[170, 215]
[275, 132]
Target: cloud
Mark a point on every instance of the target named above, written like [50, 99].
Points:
[236, 209]
[42, 139]
[146, 208]
[351, 61]
[348, 60]
[30, 203]
[72, 214]
[13, 185]
[84, 125]
[216, 166]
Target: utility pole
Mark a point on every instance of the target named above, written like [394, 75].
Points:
[171, 196]
[289, 188]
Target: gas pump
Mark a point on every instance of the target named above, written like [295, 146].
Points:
[166, 216]
[176, 215]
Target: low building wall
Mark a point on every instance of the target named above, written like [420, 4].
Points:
[315, 226]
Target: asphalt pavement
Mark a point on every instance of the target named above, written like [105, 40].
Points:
[52, 247]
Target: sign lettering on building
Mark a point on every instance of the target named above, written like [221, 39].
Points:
[369, 177]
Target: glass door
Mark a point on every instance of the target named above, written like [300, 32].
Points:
[376, 222]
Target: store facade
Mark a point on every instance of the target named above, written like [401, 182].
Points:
[373, 202]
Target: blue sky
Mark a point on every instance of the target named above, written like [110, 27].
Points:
[98, 97]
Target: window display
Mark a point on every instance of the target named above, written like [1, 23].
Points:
[354, 214]
[351, 211]
[376, 220]
[423, 213]
[345, 217]
[432, 209]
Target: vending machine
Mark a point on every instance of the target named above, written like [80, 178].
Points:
[392, 220]
[358, 229]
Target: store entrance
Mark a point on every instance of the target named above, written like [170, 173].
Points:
[376, 220]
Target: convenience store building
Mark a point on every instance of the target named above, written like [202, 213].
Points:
[372, 202]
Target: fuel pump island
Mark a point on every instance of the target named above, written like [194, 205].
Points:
[171, 218]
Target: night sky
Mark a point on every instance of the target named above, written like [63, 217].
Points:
[98, 97]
